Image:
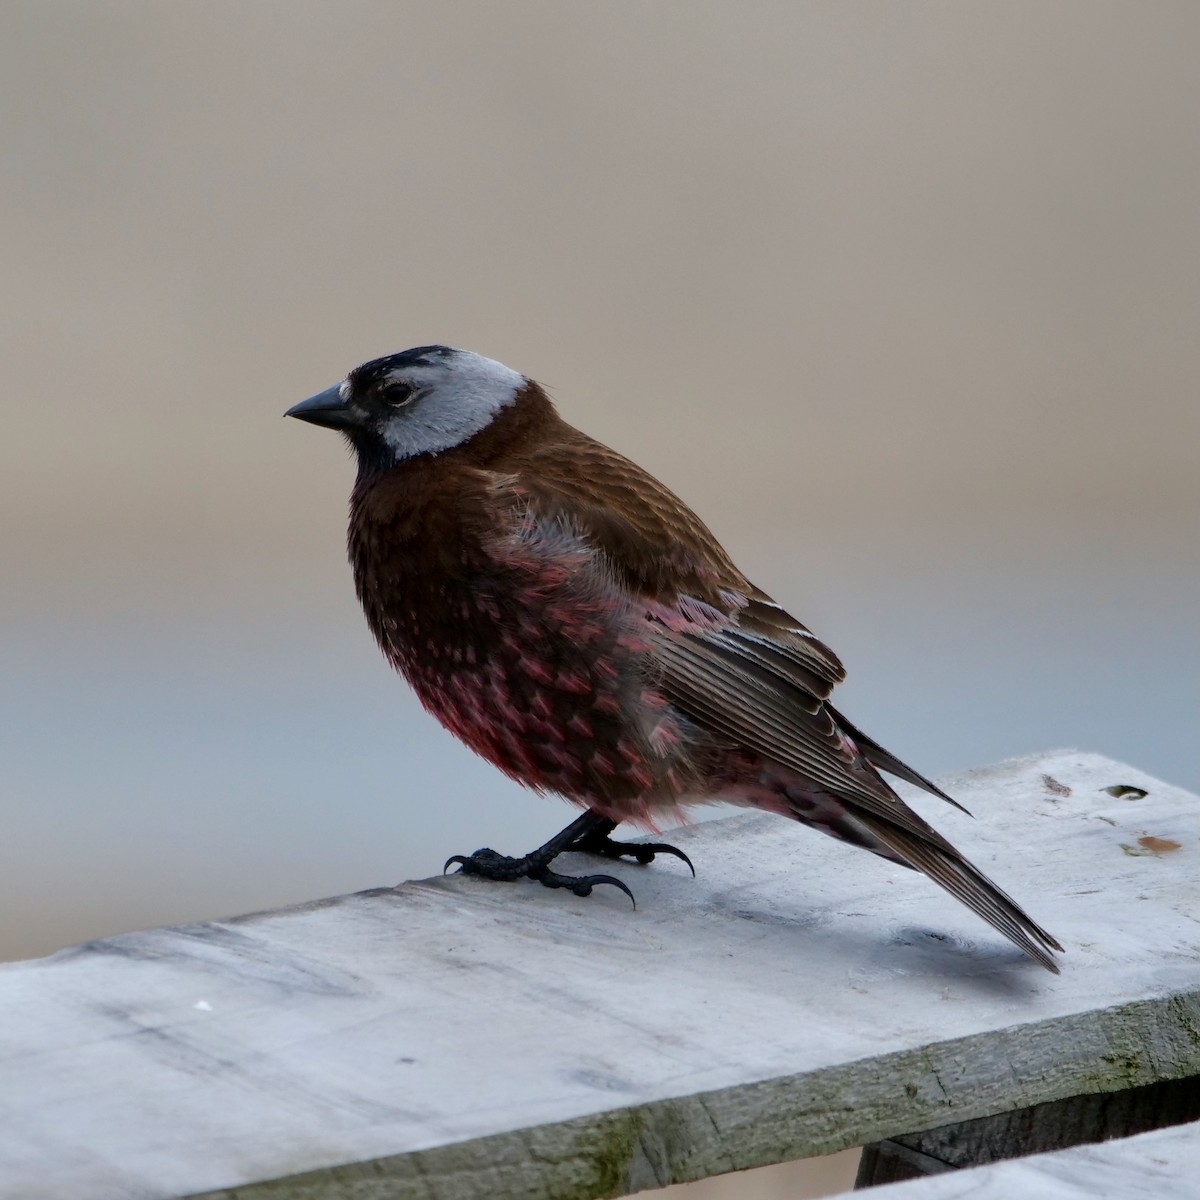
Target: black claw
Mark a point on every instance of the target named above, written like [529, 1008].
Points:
[663, 848]
[587, 833]
[580, 885]
[642, 852]
[487, 864]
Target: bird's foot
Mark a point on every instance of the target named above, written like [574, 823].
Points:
[597, 841]
[489, 865]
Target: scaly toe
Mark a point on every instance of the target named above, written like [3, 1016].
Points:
[579, 885]
[489, 865]
[641, 852]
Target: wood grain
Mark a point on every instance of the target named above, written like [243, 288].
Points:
[453, 1038]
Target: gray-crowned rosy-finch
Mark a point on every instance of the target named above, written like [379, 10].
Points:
[576, 624]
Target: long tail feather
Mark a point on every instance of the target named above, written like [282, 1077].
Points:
[885, 760]
[945, 866]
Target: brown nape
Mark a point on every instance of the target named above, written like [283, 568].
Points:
[530, 420]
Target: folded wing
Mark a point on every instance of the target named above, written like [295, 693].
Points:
[735, 661]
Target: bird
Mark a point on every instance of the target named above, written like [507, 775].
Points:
[572, 621]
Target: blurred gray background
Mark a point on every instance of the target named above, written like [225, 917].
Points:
[904, 298]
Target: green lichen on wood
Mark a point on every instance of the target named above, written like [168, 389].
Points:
[1123, 1071]
[606, 1152]
[1185, 1016]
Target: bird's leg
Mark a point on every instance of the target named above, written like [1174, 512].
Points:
[596, 840]
[536, 865]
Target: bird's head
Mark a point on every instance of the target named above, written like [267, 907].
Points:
[417, 402]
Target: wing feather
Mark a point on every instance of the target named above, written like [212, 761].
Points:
[758, 710]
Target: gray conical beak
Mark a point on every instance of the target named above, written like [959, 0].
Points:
[325, 408]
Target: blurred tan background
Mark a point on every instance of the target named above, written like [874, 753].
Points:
[904, 298]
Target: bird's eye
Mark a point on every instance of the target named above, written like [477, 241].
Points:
[397, 394]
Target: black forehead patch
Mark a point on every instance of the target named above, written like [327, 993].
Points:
[378, 368]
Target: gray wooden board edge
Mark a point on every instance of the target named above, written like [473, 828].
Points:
[1161, 1165]
[454, 1038]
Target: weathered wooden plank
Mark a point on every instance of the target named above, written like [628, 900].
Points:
[1162, 1165]
[454, 1038]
